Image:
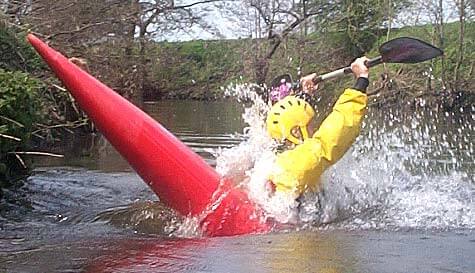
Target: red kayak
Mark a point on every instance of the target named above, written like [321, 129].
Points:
[181, 178]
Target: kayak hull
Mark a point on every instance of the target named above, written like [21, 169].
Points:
[180, 177]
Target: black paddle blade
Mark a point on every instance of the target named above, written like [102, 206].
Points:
[408, 50]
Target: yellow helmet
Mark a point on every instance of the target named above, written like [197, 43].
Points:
[286, 114]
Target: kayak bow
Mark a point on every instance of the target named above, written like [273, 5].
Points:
[180, 177]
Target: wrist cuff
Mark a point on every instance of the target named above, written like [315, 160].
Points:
[361, 84]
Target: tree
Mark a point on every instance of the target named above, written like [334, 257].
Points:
[112, 35]
[158, 17]
[15, 10]
[273, 21]
[462, 6]
[363, 21]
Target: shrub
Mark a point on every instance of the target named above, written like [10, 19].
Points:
[20, 109]
[15, 53]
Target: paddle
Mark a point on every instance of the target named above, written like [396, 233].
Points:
[399, 50]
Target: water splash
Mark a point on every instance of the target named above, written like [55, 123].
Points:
[253, 159]
[415, 170]
[410, 168]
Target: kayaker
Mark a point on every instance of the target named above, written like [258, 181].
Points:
[279, 92]
[311, 152]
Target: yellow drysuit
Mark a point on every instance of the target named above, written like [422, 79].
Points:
[300, 169]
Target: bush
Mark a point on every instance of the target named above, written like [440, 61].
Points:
[20, 109]
[15, 53]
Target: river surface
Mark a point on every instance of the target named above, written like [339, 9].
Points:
[401, 200]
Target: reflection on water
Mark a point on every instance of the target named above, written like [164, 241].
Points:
[203, 126]
[411, 171]
[297, 252]
[335, 252]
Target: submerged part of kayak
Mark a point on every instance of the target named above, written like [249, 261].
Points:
[181, 178]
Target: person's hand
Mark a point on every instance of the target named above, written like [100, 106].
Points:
[80, 62]
[308, 86]
[359, 68]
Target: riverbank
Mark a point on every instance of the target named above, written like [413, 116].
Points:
[200, 69]
[33, 108]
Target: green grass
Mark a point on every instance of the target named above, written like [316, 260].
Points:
[198, 68]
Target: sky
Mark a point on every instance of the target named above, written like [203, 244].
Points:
[226, 22]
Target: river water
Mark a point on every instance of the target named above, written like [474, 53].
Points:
[401, 200]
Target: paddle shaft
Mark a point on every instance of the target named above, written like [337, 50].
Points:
[346, 70]
[398, 50]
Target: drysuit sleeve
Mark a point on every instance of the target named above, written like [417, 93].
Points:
[299, 169]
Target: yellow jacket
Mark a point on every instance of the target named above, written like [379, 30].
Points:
[300, 169]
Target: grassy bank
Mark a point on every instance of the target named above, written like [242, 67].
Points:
[197, 69]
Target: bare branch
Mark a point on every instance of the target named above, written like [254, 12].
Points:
[37, 153]
[81, 29]
[10, 137]
[12, 121]
[198, 3]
